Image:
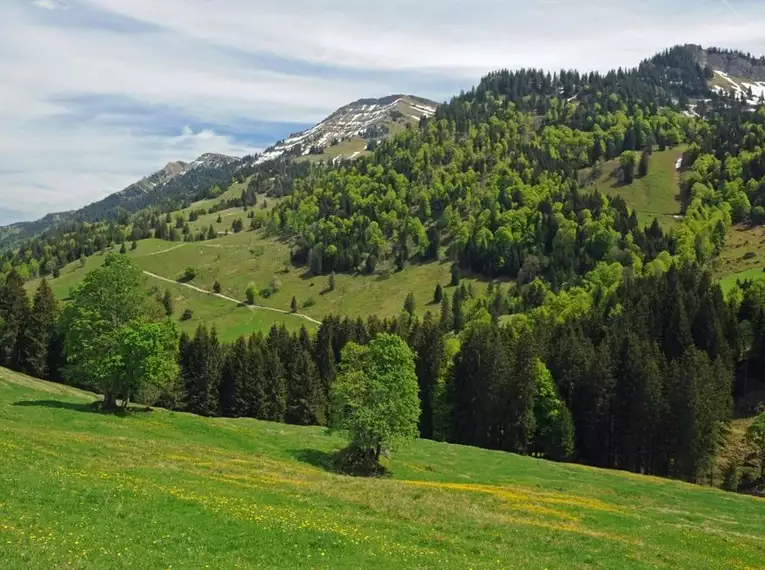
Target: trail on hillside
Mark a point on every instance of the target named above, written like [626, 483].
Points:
[166, 250]
[232, 300]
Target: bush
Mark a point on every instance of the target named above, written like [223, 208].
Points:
[189, 274]
[216, 287]
[187, 315]
[252, 294]
[309, 302]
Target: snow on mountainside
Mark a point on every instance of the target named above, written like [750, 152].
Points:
[363, 120]
[752, 91]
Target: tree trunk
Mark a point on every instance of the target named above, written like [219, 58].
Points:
[110, 401]
[378, 450]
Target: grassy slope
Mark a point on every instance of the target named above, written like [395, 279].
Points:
[237, 260]
[655, 195]
[160, 489]
[736, 261]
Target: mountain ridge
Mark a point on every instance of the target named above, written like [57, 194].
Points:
[209, 169]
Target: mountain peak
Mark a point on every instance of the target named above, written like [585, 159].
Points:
[361, 121]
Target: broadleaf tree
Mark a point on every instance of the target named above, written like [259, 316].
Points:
[375, 396]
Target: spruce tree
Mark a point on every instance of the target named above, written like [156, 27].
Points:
[409, 304]
[438, 295]
[14, 312]
[40, 333]
[294, 305]
[275, 387]
[445, 321]
[167, 302]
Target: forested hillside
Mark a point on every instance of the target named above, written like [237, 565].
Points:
[598, 339]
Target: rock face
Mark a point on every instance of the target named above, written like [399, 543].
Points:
[731, 63]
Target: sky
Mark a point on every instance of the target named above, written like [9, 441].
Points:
[96, 94]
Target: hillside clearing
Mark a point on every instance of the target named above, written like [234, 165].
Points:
[156, 489]
[654, 196]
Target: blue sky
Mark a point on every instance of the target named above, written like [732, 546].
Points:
[96, 94]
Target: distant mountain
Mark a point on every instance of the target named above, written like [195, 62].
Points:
[733, 73]
[176, 179]
[345, 133]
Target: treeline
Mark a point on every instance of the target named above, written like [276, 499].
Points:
[640, 379]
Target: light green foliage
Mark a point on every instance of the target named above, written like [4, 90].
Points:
[99, 327]
[146, 357]
[375, 397]
[554, 435]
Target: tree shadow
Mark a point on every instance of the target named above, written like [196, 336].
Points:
[342, 462]
[317, 458]
[95, 407]
[92, 407]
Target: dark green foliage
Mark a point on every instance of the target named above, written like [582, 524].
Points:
[14, 312]
[455, 275]
[331, 284]
[438, 295]
[410, 304]
[293, 305]
[167, 302]
[189, 274]
[40, 334]
[201, 367]
[123, 249]
[187, 315]
[217, 287]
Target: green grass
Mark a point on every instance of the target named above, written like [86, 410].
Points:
[653, 196]
[159, 490]
[238, 260]
[743, 256]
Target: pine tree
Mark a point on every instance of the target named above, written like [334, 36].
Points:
[275, 388]
[429, 351]
[201, 370]
[211, 233]
[455, 275]
[643, 165]
[40, 333]
[217, 287]
[409, 304]
[294, 305]
[438, 295]
[233, 401]
[14, 312]
[305, 401]
[167, 302]
[445, 321]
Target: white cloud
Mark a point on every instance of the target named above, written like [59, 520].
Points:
[228, 62]
[51, 4]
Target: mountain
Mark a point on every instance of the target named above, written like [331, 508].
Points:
[176, 179]
[347, 132]
[732, 73]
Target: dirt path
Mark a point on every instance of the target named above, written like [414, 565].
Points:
[166, 250]
[232, 300]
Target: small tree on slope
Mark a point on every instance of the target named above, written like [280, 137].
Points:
[375, 397]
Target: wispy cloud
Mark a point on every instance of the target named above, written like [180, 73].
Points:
[97, 93]
[51, 4]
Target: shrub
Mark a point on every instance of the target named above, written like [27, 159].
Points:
[252, 294]
[187, 315]
[189, 274]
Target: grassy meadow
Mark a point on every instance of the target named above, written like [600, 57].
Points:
[169, 490]
[653, 196]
